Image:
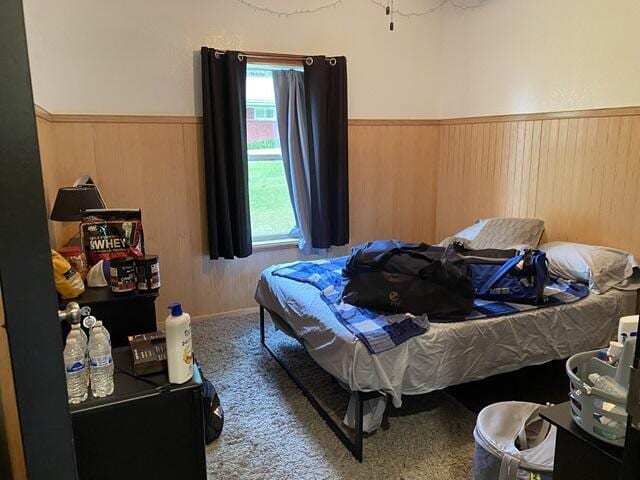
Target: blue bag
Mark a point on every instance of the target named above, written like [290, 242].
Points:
[507, 275]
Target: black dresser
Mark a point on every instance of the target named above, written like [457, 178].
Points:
[580, 456]
[148, 429]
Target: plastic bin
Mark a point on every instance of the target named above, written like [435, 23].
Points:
[597, 412]
[513, 443]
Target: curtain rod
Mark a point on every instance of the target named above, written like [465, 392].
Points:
[275, 56]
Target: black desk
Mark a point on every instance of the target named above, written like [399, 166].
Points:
[579, 455]
[148, 428]
[123, 314]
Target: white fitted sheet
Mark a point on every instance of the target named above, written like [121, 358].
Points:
[447, 354]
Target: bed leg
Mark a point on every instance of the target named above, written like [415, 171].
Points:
[354, 445]
[261, 324]
[359, 427]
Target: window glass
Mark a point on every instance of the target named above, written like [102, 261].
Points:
[272, 215]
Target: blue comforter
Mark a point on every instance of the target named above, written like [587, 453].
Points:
[380, 331]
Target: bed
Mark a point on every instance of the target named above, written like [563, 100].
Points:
[447, 354]
[438, 358]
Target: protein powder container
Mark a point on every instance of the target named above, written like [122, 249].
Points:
[148, 272]
[123, 275]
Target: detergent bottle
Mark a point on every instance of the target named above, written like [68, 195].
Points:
[179, 347]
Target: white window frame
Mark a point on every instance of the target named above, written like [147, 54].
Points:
[278, 239]
[281, 240]
[264, 109]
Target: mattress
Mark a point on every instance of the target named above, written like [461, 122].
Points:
[449, 353]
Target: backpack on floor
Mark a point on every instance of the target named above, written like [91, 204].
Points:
[417, 278]
[213, 412]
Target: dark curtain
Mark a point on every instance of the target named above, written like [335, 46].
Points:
[225, 153]
[326, 98]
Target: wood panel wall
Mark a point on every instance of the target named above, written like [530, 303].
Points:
[156, 164]
[411, 179]
[580, 175]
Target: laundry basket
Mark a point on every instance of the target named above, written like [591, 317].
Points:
[599, 413]
[513, 443]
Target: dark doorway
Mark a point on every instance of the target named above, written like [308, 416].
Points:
[26, 278]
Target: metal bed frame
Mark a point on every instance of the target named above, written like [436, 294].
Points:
[354, 446]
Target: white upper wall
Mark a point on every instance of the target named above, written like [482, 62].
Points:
[142, 57]
[508, 56]
[523, 56]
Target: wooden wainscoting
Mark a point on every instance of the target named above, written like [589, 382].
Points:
[393, 181]
[156, 164]
[409, 179]
[578, 174]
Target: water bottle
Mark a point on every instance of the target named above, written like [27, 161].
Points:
[97, 326]
[608, 385]
[75, 370]
[81, 339]
[78, 332]
[103, 329]
[101, 364]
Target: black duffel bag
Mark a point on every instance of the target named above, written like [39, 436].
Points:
[400, 277]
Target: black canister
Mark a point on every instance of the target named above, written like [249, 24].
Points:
[148, 271]
[123, 275]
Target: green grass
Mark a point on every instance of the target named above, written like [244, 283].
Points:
[271, 211]
[260, 144]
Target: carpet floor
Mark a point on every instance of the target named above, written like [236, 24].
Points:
[272, 432]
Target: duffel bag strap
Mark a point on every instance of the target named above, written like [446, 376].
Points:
[384, 258]
[499, 273]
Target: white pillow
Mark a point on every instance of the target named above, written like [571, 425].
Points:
[599, 267]
[501, 233]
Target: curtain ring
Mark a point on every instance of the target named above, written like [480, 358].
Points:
[241, 57]
[217, 54]
[308, 61]
[332, 61]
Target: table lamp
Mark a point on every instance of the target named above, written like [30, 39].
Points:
[70, 201]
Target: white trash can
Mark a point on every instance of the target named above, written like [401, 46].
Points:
[513, 443]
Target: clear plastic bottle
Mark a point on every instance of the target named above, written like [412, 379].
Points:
[78, 334]
[101, 364]
[608, 385]
[96, 326]
[75, 370]
[77, 330]
[103, 329]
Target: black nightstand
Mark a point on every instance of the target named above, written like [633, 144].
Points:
[148, 428]
[580, 456]
[123, 315]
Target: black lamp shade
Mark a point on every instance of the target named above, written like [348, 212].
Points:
[71, 200]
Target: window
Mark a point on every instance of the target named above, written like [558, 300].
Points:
[264, 113]
[272, 215]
